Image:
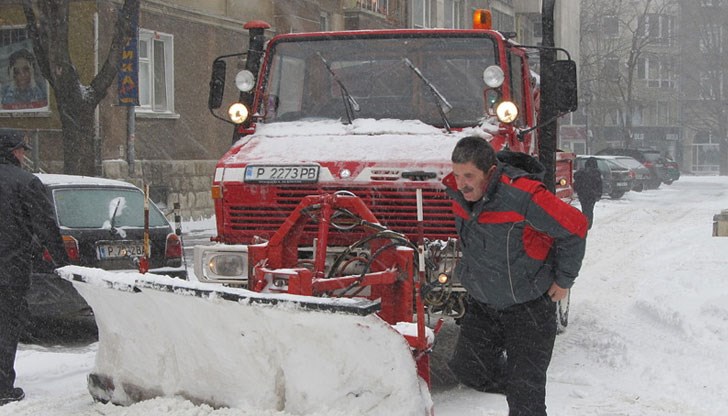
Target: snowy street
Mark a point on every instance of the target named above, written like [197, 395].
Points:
[647, 335]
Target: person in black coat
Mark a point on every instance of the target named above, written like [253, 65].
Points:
[27, 222]
[588, 187]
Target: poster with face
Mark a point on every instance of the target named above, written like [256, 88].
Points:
[22, 87]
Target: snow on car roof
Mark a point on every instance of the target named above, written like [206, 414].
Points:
[59, 179]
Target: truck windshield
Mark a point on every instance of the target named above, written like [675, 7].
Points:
[374, 72]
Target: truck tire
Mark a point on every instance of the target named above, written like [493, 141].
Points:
[616, 194]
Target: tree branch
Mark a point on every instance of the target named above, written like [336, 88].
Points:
[38, 35]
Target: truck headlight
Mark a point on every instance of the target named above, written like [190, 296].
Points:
[245, 80]
[238, 113]
[493, 76]
[507, 112]
[221, 264]
[226, 264]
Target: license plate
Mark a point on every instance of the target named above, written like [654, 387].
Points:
[622, 184]
[281, 173]
[117, 249]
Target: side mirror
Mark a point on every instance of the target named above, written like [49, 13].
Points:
[566, 92]
[217, 84]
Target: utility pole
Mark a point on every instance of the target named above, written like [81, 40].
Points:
[547, 132]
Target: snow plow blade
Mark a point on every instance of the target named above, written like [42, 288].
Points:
[229, 347]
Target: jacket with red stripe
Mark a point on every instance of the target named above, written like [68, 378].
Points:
[517, 240]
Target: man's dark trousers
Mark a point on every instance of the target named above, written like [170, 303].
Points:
[13, 312]
[508, 351]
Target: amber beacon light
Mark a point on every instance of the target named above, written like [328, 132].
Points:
[482, 19]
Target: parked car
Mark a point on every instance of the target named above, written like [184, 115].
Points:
[616, 180]
[102, 225]
[638, 171]
[650, 158]
[673, 170]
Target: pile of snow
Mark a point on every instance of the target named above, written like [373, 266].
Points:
[228, 347]
[647, 337]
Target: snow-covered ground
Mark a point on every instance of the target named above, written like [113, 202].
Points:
[648, 332]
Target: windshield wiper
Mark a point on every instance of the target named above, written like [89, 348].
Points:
[443, 107]
[113, 229]
[350, 104]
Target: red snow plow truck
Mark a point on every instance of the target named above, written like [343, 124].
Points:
[335, 239]
[374, 114]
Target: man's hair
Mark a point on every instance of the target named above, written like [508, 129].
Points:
[476, 150]
[20, 54]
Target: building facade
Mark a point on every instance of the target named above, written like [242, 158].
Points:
[654, 75]
[703, 74]
[628, 82]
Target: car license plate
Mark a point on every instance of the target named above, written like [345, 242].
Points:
[281, 173]
[117, 249]
[622, 184]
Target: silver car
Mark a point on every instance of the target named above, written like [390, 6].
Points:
[102, 225]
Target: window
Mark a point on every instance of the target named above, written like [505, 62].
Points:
[324, 22]
[95, 207]
[711, 38]
[637, 119]
[517, 87]
[611, 68]
[657, 27]
[156, 72]
[22, 86]
[452, 14]
[658, 71]
[538, 29]
[378, 6]
[503, 22]
[421, 13]
[711, 85]
[665, 113]
[710, 3]
[610, 26]
[706, 153]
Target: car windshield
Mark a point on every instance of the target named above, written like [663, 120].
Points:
[305, 77]
[99, 207]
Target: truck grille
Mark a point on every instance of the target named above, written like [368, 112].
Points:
[395, 208]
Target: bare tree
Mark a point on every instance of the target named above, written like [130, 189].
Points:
[47, 23]
[616, 37]
[704, 93]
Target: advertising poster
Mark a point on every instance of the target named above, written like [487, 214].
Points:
[22, 87]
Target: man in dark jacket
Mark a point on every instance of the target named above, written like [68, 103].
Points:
[522, 248]
[588, 187]
[26, 219]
